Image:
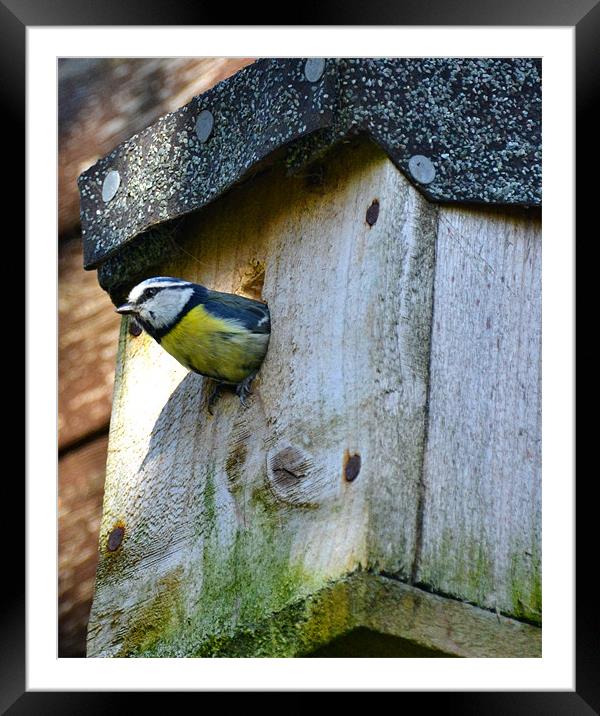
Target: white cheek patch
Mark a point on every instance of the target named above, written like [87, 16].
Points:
[162, 310]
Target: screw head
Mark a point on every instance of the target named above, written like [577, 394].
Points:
[204, 125]
[111, 184]
[421, 169]
[351, 466]
[115, 538]
[314, 68]
[372, 213]
[135, 329]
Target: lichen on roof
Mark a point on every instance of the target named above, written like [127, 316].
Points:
[477, 122]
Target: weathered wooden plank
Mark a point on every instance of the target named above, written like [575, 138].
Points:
[481, 522]
[445, 625]
[86, 348]
[214, 537]
[390, 617]
[81, 486]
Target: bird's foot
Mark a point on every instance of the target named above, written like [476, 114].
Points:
[213, 397]
[243, 389]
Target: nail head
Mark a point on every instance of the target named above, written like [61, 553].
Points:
[421, 169]
[111, 184]
[352, 467]
[134, 328]
[314, 68]
[204, 125]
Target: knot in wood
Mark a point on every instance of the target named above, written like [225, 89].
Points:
[292, 475]
[288, 465]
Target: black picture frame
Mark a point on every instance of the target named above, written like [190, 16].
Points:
[584, 15]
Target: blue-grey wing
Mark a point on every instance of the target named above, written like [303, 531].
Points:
[253, 315]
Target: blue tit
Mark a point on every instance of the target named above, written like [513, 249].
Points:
[218, 335]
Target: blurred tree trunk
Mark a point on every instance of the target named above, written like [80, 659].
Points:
[102, 102]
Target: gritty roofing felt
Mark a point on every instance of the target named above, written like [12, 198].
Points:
[461, 130]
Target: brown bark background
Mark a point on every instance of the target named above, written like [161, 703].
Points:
[101, 102]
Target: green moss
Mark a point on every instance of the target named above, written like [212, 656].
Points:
[298, 629]
[471, 576]
[253, 574]
[526, 586]
[472, 579]
[480, 579]
[244, 581]
[159, 617]
[262, 498]
[209, 500]
[474, 571]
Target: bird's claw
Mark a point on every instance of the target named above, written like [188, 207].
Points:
[243, 390]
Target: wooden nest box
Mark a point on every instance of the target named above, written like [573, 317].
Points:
[381, 494]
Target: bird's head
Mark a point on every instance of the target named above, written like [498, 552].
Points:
[157, 303]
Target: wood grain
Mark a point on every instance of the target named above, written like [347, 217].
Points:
[230, 518]
[81, 486]
[481, 527]
[446, 625]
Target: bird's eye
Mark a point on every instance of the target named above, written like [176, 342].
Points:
[151, 292]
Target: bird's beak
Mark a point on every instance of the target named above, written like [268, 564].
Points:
[125, 308]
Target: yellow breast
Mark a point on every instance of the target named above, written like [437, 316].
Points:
[215, 347]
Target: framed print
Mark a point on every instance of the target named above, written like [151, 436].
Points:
[331, 169]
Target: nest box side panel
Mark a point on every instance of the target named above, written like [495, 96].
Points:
[481, 526]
